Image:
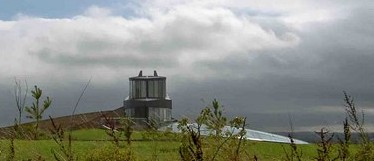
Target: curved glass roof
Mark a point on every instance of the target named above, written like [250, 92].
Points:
[250, 134]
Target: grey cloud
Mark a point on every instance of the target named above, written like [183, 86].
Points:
[174, 39]
[274, 83]
[266, 84]
[110, 61]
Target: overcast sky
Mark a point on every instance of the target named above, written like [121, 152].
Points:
[270, 61]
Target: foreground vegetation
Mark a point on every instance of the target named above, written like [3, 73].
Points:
[85, 146]
[83, 150]
[166, 150]
[119, 142]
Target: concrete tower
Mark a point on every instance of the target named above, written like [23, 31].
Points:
[147, 99]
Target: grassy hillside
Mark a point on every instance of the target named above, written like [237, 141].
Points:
[145, 147]
[92, 144]
[26, 149]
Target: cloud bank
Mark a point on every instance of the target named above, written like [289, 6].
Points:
[264, 60]
[98, 42]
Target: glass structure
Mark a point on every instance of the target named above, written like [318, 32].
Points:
[250, 134]
[148, 88]
[148, 99]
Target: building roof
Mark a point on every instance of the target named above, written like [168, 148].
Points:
[146, 77]
[143, 77]
[250, 134]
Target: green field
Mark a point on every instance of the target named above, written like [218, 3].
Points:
[85, 142]
[143, 150]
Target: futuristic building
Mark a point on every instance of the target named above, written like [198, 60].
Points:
[249, 135]
[148, 99]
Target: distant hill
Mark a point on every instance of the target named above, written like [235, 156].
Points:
[78, 121]
[312, 137]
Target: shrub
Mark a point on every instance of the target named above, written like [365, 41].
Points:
[35, 111]
[356, 123]
[221, 144]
